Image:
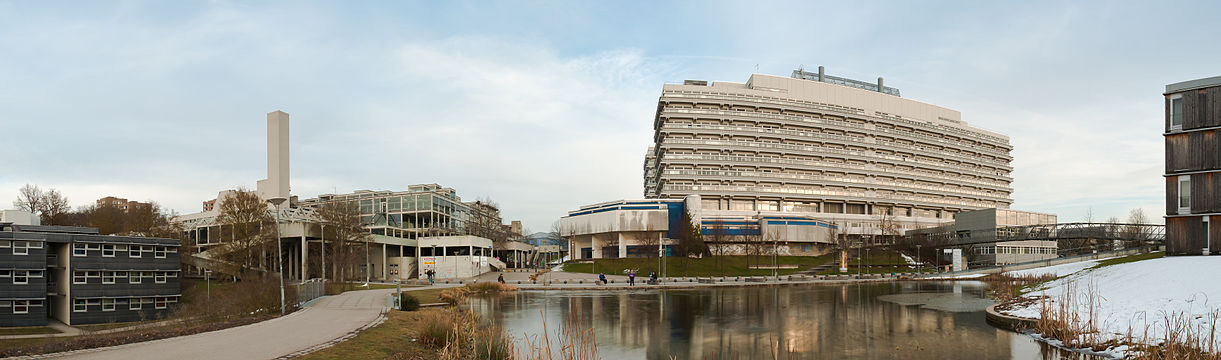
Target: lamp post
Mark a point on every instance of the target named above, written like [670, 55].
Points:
[323, 235]
[919, 264]
[275, 204]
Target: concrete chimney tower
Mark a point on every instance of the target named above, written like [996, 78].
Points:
[276, 183]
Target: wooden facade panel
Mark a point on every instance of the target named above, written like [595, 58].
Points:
[1214, 106]
[1184, 235]
[1193, 151]
[1214, 234]
[1166, 122]
[1191, 110]
[1202, 193]
[1176, 148]
[1172, 195]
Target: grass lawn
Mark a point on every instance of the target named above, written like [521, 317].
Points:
[1130, 258]
[30, 330]
[394, 338]
[426, 295]
[729, 265]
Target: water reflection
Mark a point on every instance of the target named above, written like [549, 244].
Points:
[855, 321]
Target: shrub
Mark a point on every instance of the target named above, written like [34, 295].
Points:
[408, 302]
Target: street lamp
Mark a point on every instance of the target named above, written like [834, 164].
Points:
[275, 204]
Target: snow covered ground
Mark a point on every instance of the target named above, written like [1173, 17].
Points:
[966, 276]
[1057, 270]
[1141, 295]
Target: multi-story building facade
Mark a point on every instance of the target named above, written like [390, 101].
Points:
[1193, 166]
[79, 277]
[839, 149]
[423, 210]
[642, 228]
[122, 204]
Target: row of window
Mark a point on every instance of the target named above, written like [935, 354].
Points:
[1017, 250]
[132, 303]
[20, 247]
[110, 250]
[20, 277]
[133, 277]
[20, 306]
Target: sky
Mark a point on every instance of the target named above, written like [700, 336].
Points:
[546, 106]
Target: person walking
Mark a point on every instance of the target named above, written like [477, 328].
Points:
[631, 277]
[602, 278]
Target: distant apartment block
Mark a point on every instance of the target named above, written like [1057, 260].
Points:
[843, 150]
[1193, 166]
[122, 204]
[79, 277]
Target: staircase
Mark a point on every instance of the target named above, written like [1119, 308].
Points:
[834, 264]
[496, 264]
[208, 260]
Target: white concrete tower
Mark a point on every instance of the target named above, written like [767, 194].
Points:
[276, 183]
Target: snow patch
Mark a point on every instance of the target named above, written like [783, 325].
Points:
[1139, 296]
[1056, 270]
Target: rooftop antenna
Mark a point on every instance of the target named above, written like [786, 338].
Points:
[756, 68]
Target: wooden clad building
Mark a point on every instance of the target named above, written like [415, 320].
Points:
[1193, 167]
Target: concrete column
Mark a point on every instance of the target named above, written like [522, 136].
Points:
[622, 246]
[596, 245]
[385, 263]
[304, 256]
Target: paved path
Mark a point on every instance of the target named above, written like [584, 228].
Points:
[327, 319]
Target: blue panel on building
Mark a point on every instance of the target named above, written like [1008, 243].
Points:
[676, 219]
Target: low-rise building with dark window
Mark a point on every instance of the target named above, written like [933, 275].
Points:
[77, 276]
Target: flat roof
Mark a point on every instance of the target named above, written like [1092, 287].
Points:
[1193, 84]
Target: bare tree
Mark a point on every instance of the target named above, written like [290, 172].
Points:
[485, 222]
[29, 198]
[1137, 217]
[345, 233]
[718, 236]
[107, 218]
[250, 227]
[53, 208]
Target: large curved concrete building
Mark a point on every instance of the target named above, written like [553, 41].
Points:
[847, 151]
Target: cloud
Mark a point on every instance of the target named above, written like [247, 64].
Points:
[538, 132]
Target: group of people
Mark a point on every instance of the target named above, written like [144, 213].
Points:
[631, 278]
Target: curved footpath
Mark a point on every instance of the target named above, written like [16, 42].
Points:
[330, 319]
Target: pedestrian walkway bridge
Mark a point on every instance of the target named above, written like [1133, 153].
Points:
[1148, 233]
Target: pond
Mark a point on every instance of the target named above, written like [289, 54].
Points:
[894, 320]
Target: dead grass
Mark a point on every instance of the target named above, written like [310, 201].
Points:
[448, 334]
[28, 330]
[1006, 288]
[453, 296]
[1073, 319]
